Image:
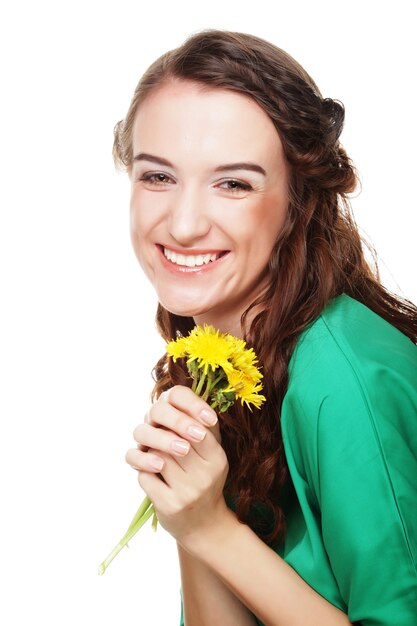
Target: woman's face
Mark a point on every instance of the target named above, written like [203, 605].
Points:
[209, 195]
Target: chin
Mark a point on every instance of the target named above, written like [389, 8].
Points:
[183, 302]
[181, 308]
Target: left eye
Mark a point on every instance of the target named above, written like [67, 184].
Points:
[235, 185]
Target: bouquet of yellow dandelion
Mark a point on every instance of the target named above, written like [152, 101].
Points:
[222, 370]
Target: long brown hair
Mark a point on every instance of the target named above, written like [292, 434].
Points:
[318, 255]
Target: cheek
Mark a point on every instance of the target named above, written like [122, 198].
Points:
[147, 212]
[139, 228]
[136, 225]
[275, 217]
[262, 229]
[141, 217]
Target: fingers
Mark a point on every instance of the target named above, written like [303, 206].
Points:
[165, 416]
[180, 411]
[144, 461]
[184, 437]
[154, 487]
[148, 436]
[156, 462]
[160, 451]
[186, 401]
[185, 474]
[154, 444]
[177, 423]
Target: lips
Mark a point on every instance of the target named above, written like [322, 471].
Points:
[190, 260]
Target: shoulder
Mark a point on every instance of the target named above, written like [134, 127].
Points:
[349, 346]
[351, 371]
[361, 336]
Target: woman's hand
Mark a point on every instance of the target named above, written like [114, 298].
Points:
[182, 466]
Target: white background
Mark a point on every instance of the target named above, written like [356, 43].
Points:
[77, 336]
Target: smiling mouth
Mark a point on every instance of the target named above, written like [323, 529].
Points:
[191, 260]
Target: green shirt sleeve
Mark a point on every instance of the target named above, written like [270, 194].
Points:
[351, 436]
[367, 477]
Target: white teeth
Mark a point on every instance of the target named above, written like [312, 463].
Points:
[190, 260]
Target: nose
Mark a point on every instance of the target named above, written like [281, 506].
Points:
[188, 217]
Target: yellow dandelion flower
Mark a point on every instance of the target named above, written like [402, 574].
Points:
[246, 388]
[177, 348]
[209, 348]
[244, 359]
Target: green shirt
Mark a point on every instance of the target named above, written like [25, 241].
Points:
[349, 424]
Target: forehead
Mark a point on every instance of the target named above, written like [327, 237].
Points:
[187, 116]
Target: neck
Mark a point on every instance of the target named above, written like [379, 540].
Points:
[229, 321]
[224, 325]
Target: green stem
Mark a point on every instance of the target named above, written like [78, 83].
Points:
[132, 530]
[209, 386]
[218, 379]
[146, 503]
[154, 521]
[200, 384]
[212, 383]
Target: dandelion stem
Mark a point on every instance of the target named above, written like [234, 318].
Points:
[209, 385]
[200, 384]
[131, 531]
[146, 503]
[218, 379]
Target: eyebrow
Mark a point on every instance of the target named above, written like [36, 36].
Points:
[253, 167]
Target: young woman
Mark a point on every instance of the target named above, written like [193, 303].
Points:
[302, 513]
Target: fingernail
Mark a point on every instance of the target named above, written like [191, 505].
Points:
[156, 464]
[209, 417]
[196, 432]
[181, 447]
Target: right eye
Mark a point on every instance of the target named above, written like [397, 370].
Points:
[155, 178]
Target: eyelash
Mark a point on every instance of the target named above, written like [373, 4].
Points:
[240, 186]
[152, 178]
